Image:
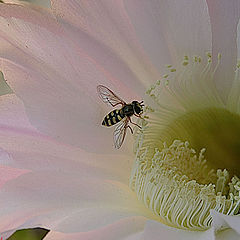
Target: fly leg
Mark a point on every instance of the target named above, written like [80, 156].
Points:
[137, 115]
[130, 129]
[134, 123]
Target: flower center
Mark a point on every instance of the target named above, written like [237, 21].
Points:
[216, 129]
[188, 137]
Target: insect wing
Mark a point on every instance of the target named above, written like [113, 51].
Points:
[108, 96]
[120, 133]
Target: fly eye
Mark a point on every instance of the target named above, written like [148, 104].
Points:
[138, 110]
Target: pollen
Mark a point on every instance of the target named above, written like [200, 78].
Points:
[187, 152]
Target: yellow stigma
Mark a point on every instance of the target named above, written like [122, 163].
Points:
[187, 153]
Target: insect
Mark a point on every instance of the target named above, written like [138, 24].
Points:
[121, 116]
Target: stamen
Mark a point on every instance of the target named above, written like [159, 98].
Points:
[165, 183]
[172, 179]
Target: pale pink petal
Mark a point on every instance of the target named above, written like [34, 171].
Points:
[66, 202]
[8, 173]
[56, 79]
[169, 30]
[70, 190]
[120, 73]
[7, 234]
[13, 113]
[31, 150]
[224, 16]
[125, 229]
[136, 236]
[238, 40]
[157, 231]
[108, 22]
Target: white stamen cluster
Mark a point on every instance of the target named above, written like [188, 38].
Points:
[168, 184]
[172, 179]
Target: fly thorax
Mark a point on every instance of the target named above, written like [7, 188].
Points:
[128, 110]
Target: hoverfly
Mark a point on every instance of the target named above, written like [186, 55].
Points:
[121, 116]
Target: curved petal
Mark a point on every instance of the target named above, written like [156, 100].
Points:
[69, 190]
[55, 78]
[12, 112]
[157, 231]
[7, 234]
[66, 202]
[169, 30]
[82, 236]
[8, 173]
[125, 229]
[31, 150]
[108, 22]
[222, 221]
[224, 16]
[224, 227]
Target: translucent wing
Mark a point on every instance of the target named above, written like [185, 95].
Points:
[120, 133]
[108, 96]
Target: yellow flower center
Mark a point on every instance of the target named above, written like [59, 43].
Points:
[216, 129]
[187, 152]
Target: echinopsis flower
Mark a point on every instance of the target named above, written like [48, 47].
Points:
[184, 170]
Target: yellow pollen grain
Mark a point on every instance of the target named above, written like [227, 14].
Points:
[158, 82]
[165, 76]
[238, 64]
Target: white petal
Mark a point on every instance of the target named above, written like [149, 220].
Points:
[108, 22]
[222, 221]
[168, 30]
[224, 16]
[126, 229]
[66, 202]
[13, 113]
[157, 231]
[7, 234]
[31, 150]
[56, 78]
[8, 173]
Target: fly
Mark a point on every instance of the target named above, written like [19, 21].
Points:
[122, 116]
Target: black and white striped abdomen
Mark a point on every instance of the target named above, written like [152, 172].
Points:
[113, 117]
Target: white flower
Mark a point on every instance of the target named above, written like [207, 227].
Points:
[77, 185]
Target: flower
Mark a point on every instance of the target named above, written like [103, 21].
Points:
[77, 185]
